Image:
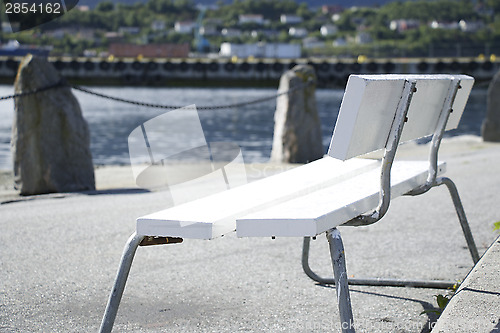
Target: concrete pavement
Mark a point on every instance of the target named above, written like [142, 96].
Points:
[59, 254]
[474, 307]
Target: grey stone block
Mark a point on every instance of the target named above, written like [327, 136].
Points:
[50, 138]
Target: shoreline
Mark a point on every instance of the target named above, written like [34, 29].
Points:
[111, 177]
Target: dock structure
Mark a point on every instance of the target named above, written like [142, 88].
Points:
[331, 72]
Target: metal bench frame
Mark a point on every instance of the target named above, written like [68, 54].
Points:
[340, 279]
[432, 181]
[333, 235]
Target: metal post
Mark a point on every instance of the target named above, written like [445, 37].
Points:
[461, 216]
[120, 281]
[340, 275]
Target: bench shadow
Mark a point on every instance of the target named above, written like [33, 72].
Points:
[431, 316]
[117, 191]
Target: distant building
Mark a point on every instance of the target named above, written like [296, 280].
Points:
[312, 43]
[89, 53]
[113, 37]
[266, 32]
[403, 25]
[149, 50]
[332, 9]
[444, 25]
[260, 50]
[336, 17]
[79, 33]
[339, 42]
[328, 30]
[363, 38]
[251, 18]
[158, 25]
[184, 27]
[209, 30]
[6, 27]
[290, 19]
[230, 32]
[129, 30]
[470, 26]
[297, 32]
[483, 9]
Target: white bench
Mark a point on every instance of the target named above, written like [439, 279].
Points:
[377, 112]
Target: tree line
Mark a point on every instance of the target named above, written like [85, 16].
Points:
[374, 21]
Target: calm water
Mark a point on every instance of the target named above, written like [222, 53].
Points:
[251, 126]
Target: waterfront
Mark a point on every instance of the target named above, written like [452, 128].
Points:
[250, 126]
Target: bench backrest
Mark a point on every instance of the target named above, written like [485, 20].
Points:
[370, 103]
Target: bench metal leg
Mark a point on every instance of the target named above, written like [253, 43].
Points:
[461, 215]
[370, 281]
[340, 275]
[121, 278]
[403, 282]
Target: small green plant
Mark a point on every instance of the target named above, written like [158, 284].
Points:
[442, 300]
[496, 226]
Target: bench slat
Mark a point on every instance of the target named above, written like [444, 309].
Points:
[322, 210]
[370, 102]
[215, 215]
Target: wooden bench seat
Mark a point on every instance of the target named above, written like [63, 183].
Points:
[215, 215]
[305, 201]
[317, 212]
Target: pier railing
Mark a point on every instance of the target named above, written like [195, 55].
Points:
[331, 72]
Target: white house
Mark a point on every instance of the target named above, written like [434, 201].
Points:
[328, 30]
[230, 32]
[251, 18]
[470, 26]
[290, 19]
[297, 32]
[208, 30]
[260, 50]
[267, 32]
[336, 17]
[185, 27]
[444, 25]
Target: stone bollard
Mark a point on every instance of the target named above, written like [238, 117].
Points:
[297, 128]
[50, 139]
[491, 125]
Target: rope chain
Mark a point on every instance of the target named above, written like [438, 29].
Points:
[63, 83]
